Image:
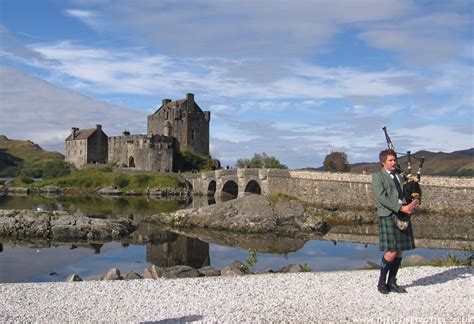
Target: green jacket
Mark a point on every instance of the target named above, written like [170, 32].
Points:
[385, 193]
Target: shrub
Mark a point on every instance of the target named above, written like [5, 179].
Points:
[121, 181]
[56, 168]
[261, 161]
[188, 160]
[141, 179]
[25, 179]
[336, 162]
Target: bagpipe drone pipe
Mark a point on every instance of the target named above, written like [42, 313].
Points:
[411, 184]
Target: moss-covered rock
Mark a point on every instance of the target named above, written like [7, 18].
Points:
[249, 214]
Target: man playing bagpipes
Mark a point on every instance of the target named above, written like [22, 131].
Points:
[396, 196]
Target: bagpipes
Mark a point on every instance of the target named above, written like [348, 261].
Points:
[411, 184]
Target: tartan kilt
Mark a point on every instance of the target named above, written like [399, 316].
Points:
[391, 238]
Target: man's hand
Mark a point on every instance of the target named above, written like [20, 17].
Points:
[415, 203]
[407, 209]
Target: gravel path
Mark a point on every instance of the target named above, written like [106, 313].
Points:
[435, 295]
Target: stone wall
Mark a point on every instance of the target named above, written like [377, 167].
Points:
[76, 152]
[333, 190]
[141, 152]
[340, 190]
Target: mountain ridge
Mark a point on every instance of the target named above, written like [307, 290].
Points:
[456, 163]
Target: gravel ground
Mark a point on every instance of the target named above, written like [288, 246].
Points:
[435, 295]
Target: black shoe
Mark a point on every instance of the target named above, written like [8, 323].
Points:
[383, 289]
[396, 288]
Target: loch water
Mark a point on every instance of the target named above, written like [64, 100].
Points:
[343, 248]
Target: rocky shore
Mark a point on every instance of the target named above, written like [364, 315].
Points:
[235, 268]
[435, 295]
[61, 226]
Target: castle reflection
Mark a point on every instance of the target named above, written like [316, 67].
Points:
[176, 249]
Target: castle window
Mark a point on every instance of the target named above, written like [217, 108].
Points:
[166, 114]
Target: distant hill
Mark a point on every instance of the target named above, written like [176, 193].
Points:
[23, 156]
[458, 163]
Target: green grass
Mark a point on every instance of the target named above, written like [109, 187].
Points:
[274, 198]
[105, 177]
[452, 260]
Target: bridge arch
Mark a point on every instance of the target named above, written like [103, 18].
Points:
[189, 185]
[230, 190]
[211, 188]
[253, 187]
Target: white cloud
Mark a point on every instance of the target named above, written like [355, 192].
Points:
[82, 14]
[132, 71]
[419, 33]
[9, 46]
[437, 138]
[426, 39]
[90, 18]
[36, 110]
[243, 28]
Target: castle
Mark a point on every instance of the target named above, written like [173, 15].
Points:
[174, 126]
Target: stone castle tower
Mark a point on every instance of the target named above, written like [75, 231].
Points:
[175, 125]
[184, 120]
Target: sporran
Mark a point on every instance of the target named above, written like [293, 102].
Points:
[401, 220]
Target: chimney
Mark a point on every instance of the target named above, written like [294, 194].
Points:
[190, 99]
[74, 132]
[98, 126]
[165, 101]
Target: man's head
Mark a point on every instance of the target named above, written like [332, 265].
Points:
[388, 160]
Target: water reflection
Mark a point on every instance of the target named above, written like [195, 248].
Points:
[344, 247]
[178, 250]
[93, 205]
[56, 262]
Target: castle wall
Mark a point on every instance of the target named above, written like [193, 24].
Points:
[141, 152]
[197, 131]
[76, 152]
[188, 123]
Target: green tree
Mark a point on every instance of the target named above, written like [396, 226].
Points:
[336, 162]
[260, 161]
[56, 168]
[188, 160]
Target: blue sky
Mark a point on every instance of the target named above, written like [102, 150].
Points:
[289, 78]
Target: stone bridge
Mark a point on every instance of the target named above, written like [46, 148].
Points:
[231, 183]
[328, 190]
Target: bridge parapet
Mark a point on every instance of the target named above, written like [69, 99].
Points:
[334, 190]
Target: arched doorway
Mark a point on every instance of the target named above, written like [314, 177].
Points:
[253, 187]
[131, 162]
[229, 191]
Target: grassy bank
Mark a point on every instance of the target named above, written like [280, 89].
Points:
[87, 179]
